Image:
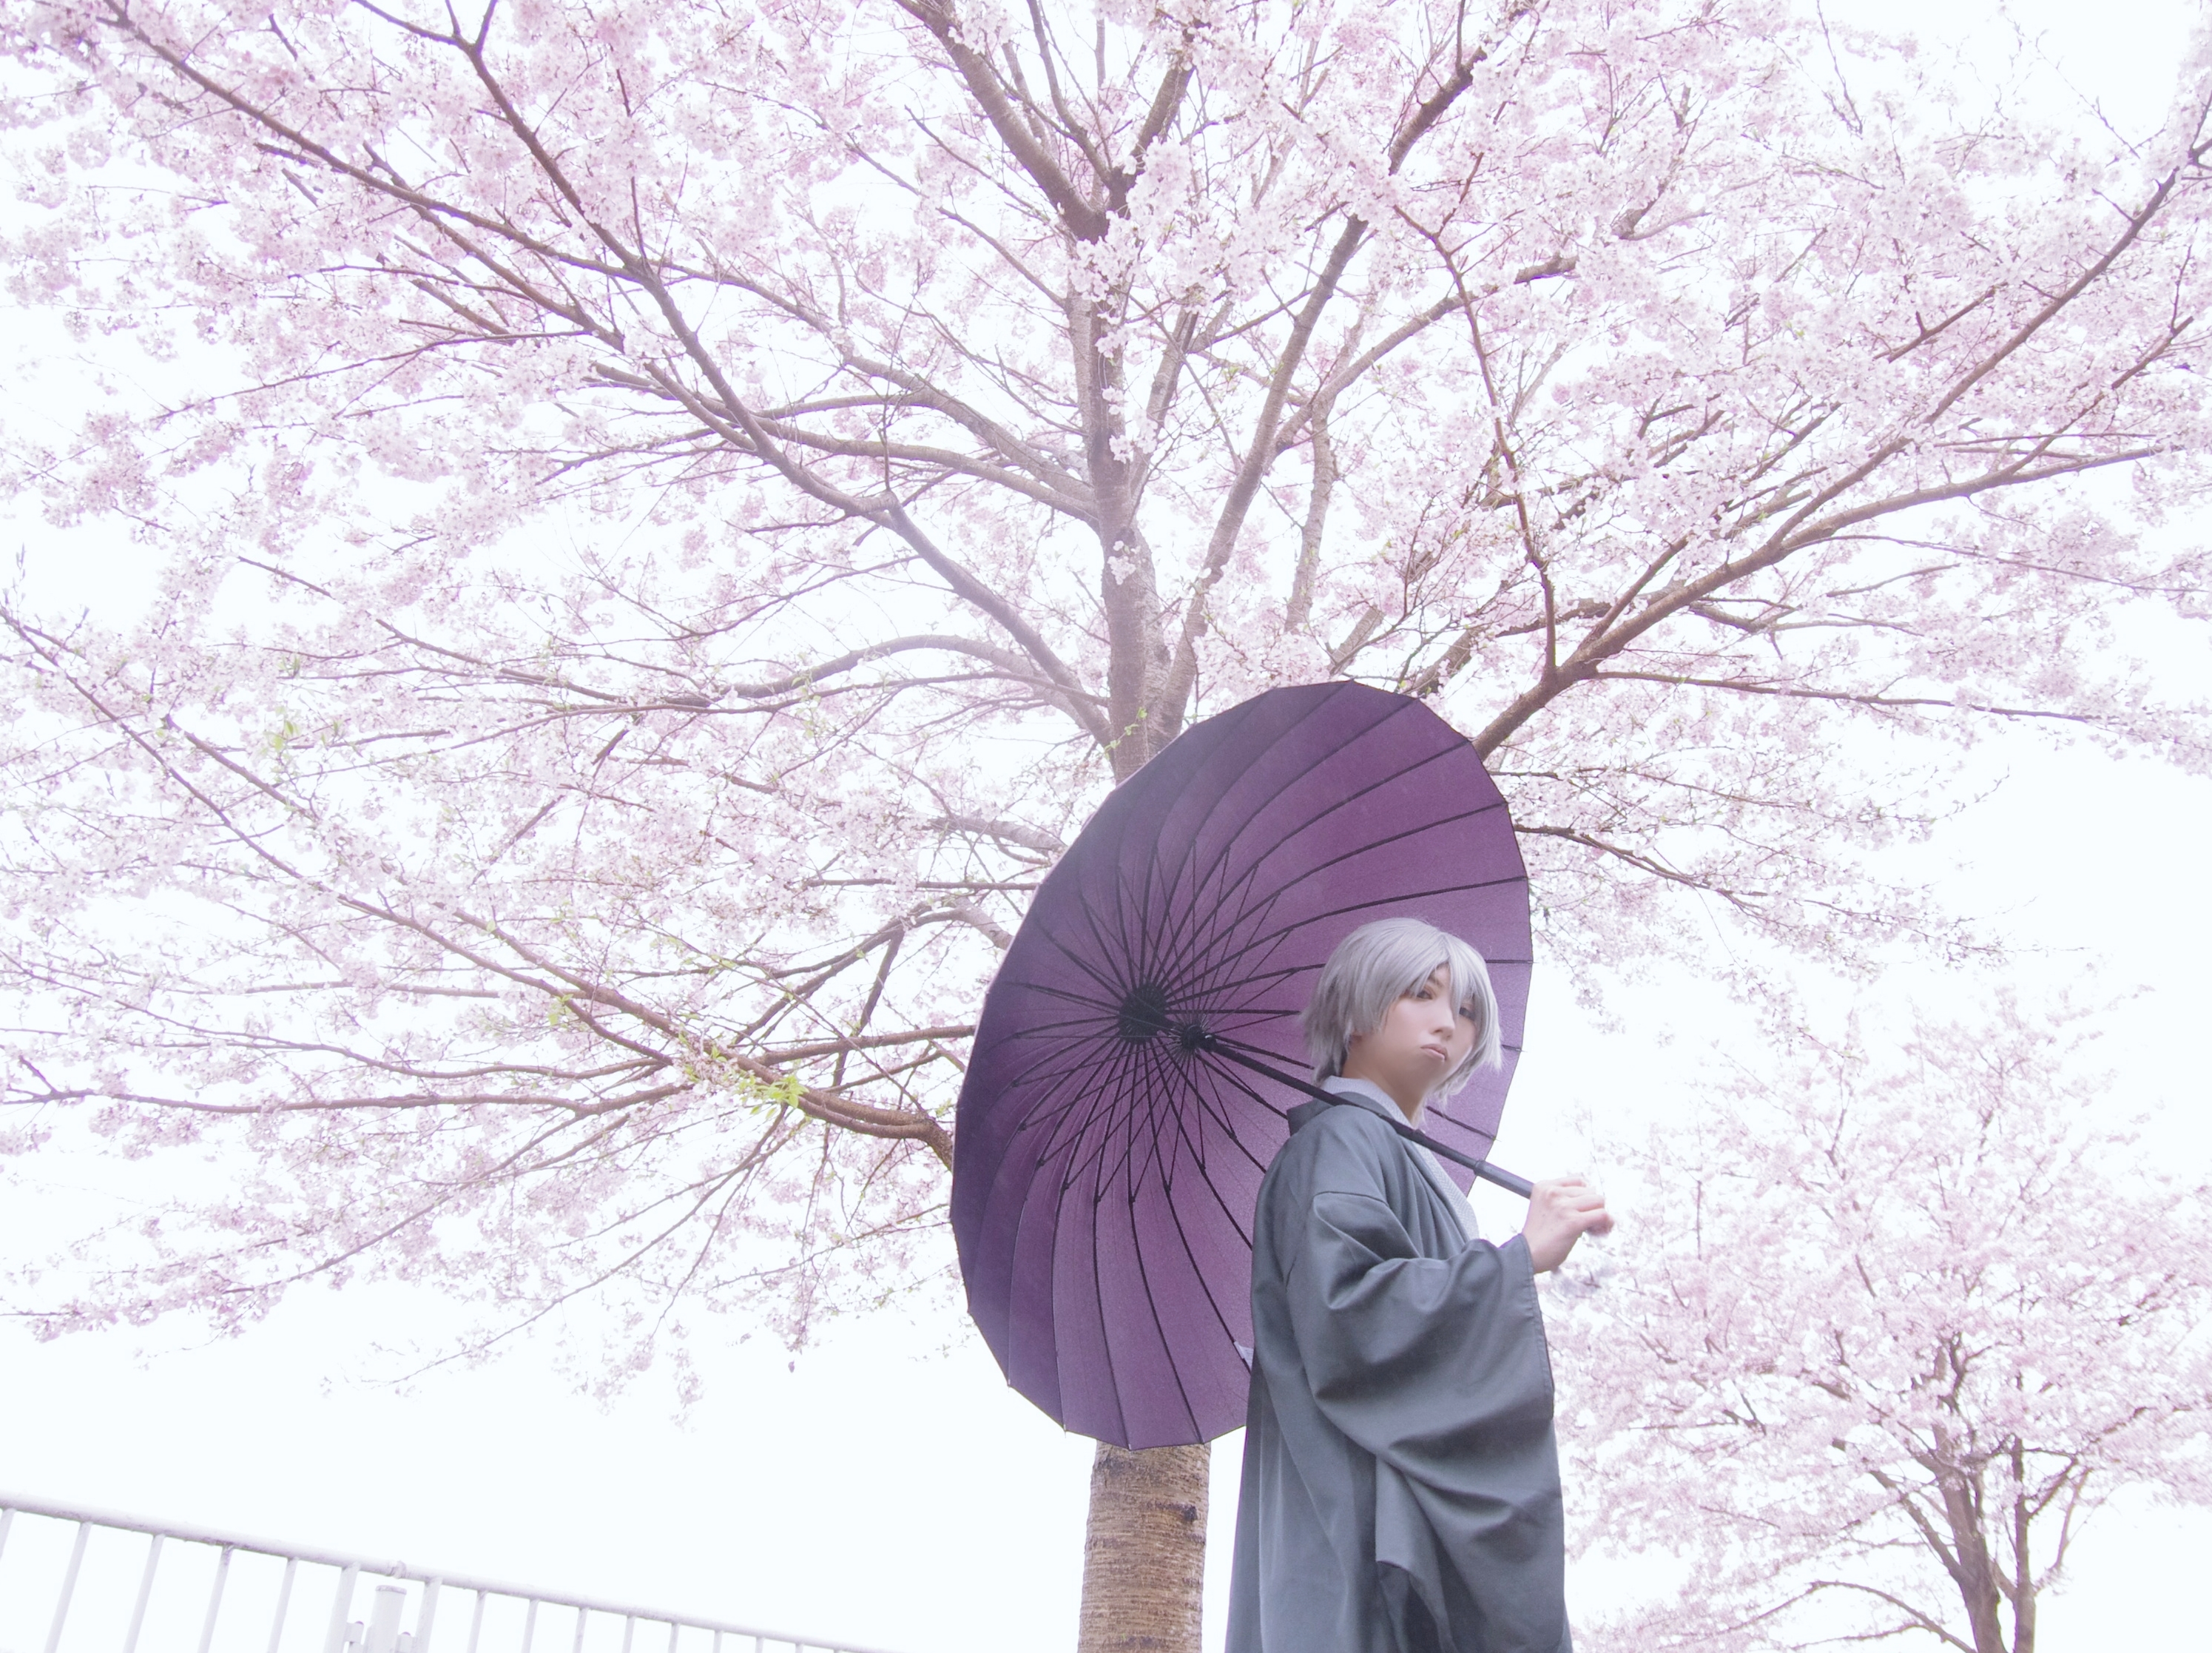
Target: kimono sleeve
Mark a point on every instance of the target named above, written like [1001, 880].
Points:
[1435, 1366]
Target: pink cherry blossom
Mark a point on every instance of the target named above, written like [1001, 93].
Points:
[1899, 1318]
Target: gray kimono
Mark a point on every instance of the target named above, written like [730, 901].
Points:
[1402, 1488]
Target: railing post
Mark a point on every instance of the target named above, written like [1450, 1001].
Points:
[425, 1616]
[145, 1595]
[214, 1600]
[68, 1586]
[340, 1604]
[284, 1602]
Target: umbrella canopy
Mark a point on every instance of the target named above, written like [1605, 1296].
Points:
[1109, 1147]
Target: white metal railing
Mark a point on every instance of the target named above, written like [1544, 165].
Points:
[190, 1587]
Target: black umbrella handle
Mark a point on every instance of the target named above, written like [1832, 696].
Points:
[1482, 1168]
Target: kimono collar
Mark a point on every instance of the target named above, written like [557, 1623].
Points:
[1375, 1098]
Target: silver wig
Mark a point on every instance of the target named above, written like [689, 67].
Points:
[1376, 965]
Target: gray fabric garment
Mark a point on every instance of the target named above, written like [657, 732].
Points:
[1401, 1486]
[1432, 1167]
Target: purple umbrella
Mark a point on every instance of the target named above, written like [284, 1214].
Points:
[1139, 1047]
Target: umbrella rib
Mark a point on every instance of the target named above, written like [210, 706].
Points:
[1098, 1297]
[1042, 1111]
[1038, 1115]
[1208, 939]
[1118, 948]
[1067, 1036]
[1056, 1111]
[1260, 810]
[1162, 964]
[1215, 940]
[1411, 894]
[1087, 1158]
[1158, 1120]
[1128, 1168]
[1129, 1124]
[1255, 904]
[1250, 1091]
[1207, 874]
[1220, 941]
[1082, 964]
[1030, 1209]
[1111, 1006]
[1182, 1236]
[1142, 950]
[1205, 983]
[1199, 760]
[1212, 1107]
[1346, 801]
[1109, 1097]
[1197, 974]
[1066, 1137]
[1145, 1270]
[1107, 1117]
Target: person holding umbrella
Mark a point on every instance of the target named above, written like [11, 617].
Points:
[1165, 1232]
[1401, 1486]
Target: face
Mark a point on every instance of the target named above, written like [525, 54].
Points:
[1423, 1037]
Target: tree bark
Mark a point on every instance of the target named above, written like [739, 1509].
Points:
[1144, 1552]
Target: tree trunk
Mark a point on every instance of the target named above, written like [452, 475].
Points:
[1144, 1552]
[1972, 1570]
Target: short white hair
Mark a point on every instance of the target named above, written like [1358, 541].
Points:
[1378, 964]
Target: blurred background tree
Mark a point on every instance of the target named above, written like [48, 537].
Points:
[1903, 1313]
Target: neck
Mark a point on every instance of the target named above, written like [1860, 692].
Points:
[1408, 1105]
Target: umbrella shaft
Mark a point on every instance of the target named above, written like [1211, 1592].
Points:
[1482, 1168]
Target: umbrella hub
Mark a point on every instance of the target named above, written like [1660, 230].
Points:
[1144, 1015]
[1144, 1012]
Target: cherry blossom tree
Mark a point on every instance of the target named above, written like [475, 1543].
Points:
[1902, 1317]
[672, 512]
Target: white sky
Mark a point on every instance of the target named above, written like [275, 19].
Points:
[890, 1492]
